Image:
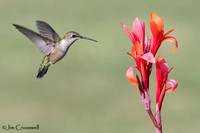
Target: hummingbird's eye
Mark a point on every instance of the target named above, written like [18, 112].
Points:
[73, 36]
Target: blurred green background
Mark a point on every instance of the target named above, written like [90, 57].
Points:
[88, 91]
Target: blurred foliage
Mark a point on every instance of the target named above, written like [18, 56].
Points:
[88, 91]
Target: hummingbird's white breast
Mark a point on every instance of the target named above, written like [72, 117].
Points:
[59, 51]
[64, 45]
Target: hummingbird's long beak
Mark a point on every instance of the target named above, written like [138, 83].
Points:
[82, 37]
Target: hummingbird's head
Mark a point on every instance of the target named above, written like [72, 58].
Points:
[72, 36]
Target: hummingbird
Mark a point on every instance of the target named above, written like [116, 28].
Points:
[50, 44]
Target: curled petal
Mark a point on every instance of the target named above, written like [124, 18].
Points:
[173, 40]
[173, 84]
[130, 35]
[130, 76]
[148, 57]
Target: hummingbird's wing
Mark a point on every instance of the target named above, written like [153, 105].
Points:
[43, 44]
[47, 31]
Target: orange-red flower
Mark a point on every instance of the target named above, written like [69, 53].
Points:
[162, 72]
[140, 53]
[144, 49]
[143, 52]
[158, 36]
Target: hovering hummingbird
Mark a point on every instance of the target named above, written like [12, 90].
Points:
[50, 44]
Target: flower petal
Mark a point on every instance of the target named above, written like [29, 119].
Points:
[130, 35]
[157, 30]
[173, 40]
[130, 76]
[137, 29]
[170, 70]
[140, 86]
[154, 32]
[156, 37]
[138, 48]
[169, 32]
[148, 44]
[143, 27]
[162, 64]
[133, 51]
[173, 84]
[158, 84]
[157, 20]
[148, 57]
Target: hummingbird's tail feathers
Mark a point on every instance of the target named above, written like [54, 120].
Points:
[42, 72]
[43, 67]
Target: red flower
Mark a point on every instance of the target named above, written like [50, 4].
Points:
[158, 36]
[161, 81]
[140, 53]
[143, 52]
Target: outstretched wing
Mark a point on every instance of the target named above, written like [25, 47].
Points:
[43, 44]
[47, 31]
